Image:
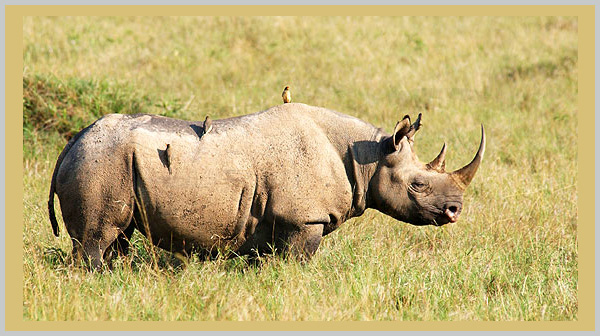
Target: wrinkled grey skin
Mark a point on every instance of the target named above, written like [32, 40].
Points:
[281, 178]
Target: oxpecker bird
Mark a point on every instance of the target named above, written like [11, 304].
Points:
[169, 157]
[286, 95]
[207, 125]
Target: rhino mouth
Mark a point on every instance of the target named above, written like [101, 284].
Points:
[440, 221]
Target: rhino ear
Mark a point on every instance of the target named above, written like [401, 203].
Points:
[401, 130]
[413, 130]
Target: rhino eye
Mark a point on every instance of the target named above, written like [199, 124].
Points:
[418, 186]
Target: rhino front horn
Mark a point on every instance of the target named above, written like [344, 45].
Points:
[465, 175]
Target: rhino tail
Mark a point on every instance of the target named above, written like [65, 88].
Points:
[51, 210]
[53, 180]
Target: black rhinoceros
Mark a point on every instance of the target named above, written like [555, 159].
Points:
[282, 178]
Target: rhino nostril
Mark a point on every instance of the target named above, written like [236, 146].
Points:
[451, 211]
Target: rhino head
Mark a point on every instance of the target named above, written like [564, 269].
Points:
[415, 192]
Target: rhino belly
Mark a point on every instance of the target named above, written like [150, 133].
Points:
[183, 214]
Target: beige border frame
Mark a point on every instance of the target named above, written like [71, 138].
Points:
[14, 158]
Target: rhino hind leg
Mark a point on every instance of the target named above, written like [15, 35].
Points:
[100, 246]
[98, 226]
[122, 242]
[119, 247]
[89, 252]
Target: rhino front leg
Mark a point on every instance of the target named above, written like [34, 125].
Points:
[304, 242]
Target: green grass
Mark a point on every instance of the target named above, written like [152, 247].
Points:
[511, 256]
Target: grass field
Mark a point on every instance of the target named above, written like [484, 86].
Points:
[511, 256]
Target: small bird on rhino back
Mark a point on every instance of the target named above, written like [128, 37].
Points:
[169, 156]
[287, 95]
[207, 125]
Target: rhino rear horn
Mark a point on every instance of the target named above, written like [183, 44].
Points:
[439, 163]
[465, 174]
